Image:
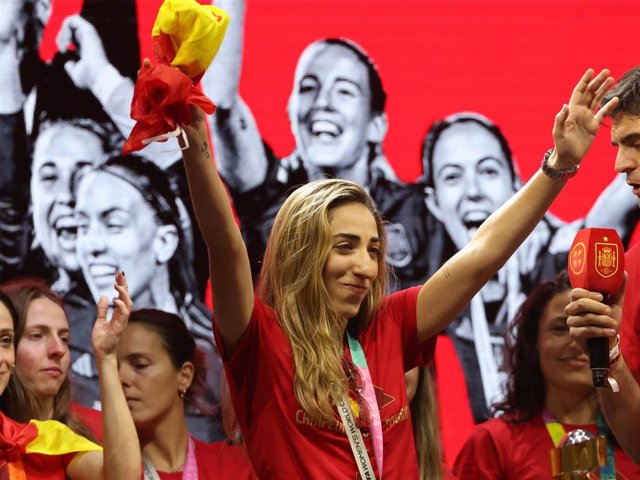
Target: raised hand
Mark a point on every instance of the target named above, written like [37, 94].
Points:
[578, 122]
[76, 30]
[106, 333]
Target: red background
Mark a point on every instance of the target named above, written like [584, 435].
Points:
[513, 61]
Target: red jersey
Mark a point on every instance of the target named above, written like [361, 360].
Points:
[46, 467]
[218, 460]
[38, 450]
[500, 450]
[282, 440]
[90, 417]
[630, 330]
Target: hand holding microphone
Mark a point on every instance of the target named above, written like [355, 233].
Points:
[596, 263]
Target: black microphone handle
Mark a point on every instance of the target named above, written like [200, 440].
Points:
[599, 360]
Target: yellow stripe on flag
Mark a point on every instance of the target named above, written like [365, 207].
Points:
[196, 33]
[55, 438]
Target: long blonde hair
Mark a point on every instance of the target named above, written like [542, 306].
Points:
[292, 283]
[426, 427]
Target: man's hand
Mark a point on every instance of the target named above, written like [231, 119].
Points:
[589, 316]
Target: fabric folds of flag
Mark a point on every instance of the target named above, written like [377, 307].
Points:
[36, 437]
[186, 37]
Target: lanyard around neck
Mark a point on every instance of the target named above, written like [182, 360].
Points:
[369, 395]
[189, 470]
[557, 431]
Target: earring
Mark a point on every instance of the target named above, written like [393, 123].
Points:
[182, 392]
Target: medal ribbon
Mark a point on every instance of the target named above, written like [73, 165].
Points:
[557, 431]
[369, 394]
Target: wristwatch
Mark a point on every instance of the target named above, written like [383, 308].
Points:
[557, 173]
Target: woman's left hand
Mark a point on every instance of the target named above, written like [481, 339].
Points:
[106, 333]
[578, 122]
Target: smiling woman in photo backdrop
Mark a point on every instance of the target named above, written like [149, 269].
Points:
[130, 217]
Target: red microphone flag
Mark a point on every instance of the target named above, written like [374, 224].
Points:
[596, 260]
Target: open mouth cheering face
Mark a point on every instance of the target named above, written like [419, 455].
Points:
[472, 179]
[330, 108]
[62, 154]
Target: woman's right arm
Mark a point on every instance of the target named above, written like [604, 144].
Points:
[229, 268]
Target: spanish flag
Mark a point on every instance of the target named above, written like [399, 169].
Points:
[186, 37]
[50, 438]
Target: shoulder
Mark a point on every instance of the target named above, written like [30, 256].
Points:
[398, 301]
[495, 428]
[501, 432]
[499, 449]
[263, 330]
[397, 311]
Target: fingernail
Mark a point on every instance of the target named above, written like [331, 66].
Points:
[123, 273]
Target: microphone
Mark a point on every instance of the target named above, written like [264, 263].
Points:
[596, 263]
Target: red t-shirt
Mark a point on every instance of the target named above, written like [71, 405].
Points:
[90, 417]
[500, 450]
[218, 460]
[15, 437]
[46, 467]
[282, 440]
[630, 330]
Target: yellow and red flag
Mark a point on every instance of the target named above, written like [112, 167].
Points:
[186, 37]
[51, 438]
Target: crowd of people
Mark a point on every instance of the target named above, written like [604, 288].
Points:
[331, 279]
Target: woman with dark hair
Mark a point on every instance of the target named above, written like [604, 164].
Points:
[49, 449]
[549, 390]
[162, 371]
[470, 173]
[130, 217]
[40, 387]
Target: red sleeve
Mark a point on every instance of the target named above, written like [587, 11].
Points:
[67, 458]
[401, 308]
[249, 336]
[249, 364]
[479, 457]
[630, 330]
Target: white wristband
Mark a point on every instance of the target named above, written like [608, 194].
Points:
[614, 352]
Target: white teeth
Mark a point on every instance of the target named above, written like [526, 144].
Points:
[66, 229]
[319, 127]
[65, 222]
[475, 216]
[102, 270]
